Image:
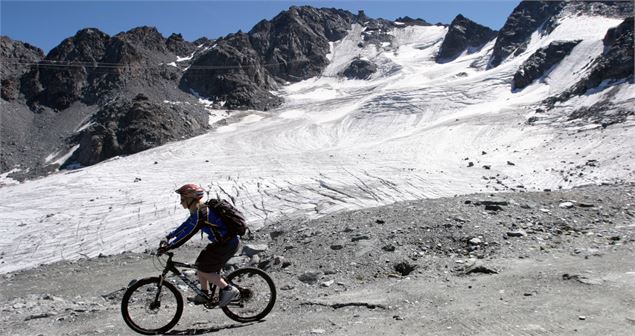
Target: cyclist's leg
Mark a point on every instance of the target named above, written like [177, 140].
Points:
[211, 260]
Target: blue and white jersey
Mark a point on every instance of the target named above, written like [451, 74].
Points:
[185, 231]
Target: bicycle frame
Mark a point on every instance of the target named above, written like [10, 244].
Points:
[171, 266]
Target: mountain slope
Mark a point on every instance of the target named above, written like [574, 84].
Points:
[414, 129]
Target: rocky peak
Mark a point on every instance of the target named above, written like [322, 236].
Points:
[619, 9]
[463, 34]
[538, 64]
[176, 44]
[615, 63]
[17, 59]
[147, 37]
[87, 45]
[125, 127]
[526, 18]
[243, 67]
[412, 22]
[543, 15]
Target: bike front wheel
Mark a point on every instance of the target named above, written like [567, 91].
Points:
[257, 295]
[150, 309]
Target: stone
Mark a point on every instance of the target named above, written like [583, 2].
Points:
[404, 268]
[388, 248]
[566, 205]
[475, 241]
[360, 237]
[238, 261]
[250, 250]
[517, 233]
[310, 277]
[359, 69]
[327, 283]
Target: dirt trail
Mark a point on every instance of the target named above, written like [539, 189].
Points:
[574, 281]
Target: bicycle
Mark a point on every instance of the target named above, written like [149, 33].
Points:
[147, 300]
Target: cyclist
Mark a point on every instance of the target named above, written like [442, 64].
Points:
[213, 257]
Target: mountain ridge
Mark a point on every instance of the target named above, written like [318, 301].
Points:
[238, 71]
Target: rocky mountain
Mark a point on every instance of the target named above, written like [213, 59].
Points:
[615, 63]
[91, 66]
[359, 69]
[524, 20]
[85, 88]
[51, 97]
[16, 58]
[127, 127]
[538, 64]
[542, 16]
[242, 68]
[463, 34]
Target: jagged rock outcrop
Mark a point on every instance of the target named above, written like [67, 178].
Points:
[242, 68]
[463, 34]
[176, 44]
[91, 64]
[17, 58]
[232, 72]
[359, 69]
[530, 16]
[615, 63]
[127, 127]
[613, 66]
[525, 19]
[408, 21]
[541, 61]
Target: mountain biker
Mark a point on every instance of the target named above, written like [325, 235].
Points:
[213, 257]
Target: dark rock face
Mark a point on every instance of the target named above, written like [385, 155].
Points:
[60, 78]
[176, 44]
[463, 33]
[232, 72]
[541, 61]
[17, 59]
[90, 65]
[126, 127]
[408, 21]
[620, 9]
[360, 69]
[530, 16]
[615, 63]
[526, 18]
[243, 67]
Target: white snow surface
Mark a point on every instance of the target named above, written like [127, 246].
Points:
[336, 145]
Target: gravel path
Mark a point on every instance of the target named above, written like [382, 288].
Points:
[548, 263]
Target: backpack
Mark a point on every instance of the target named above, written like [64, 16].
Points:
[230, 216]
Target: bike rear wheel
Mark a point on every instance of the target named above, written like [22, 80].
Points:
[148, 313]
[257, 295]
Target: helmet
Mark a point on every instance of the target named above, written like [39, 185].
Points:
[191, 190]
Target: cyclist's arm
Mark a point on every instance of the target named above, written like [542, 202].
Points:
[184, 232]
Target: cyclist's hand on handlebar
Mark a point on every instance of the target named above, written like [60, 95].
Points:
[163, 247]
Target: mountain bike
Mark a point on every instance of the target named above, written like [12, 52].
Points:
[154, 305]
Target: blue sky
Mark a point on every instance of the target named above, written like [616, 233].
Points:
[46, 23]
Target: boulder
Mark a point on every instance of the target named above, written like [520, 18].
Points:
[254, 249]
[359, 69]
